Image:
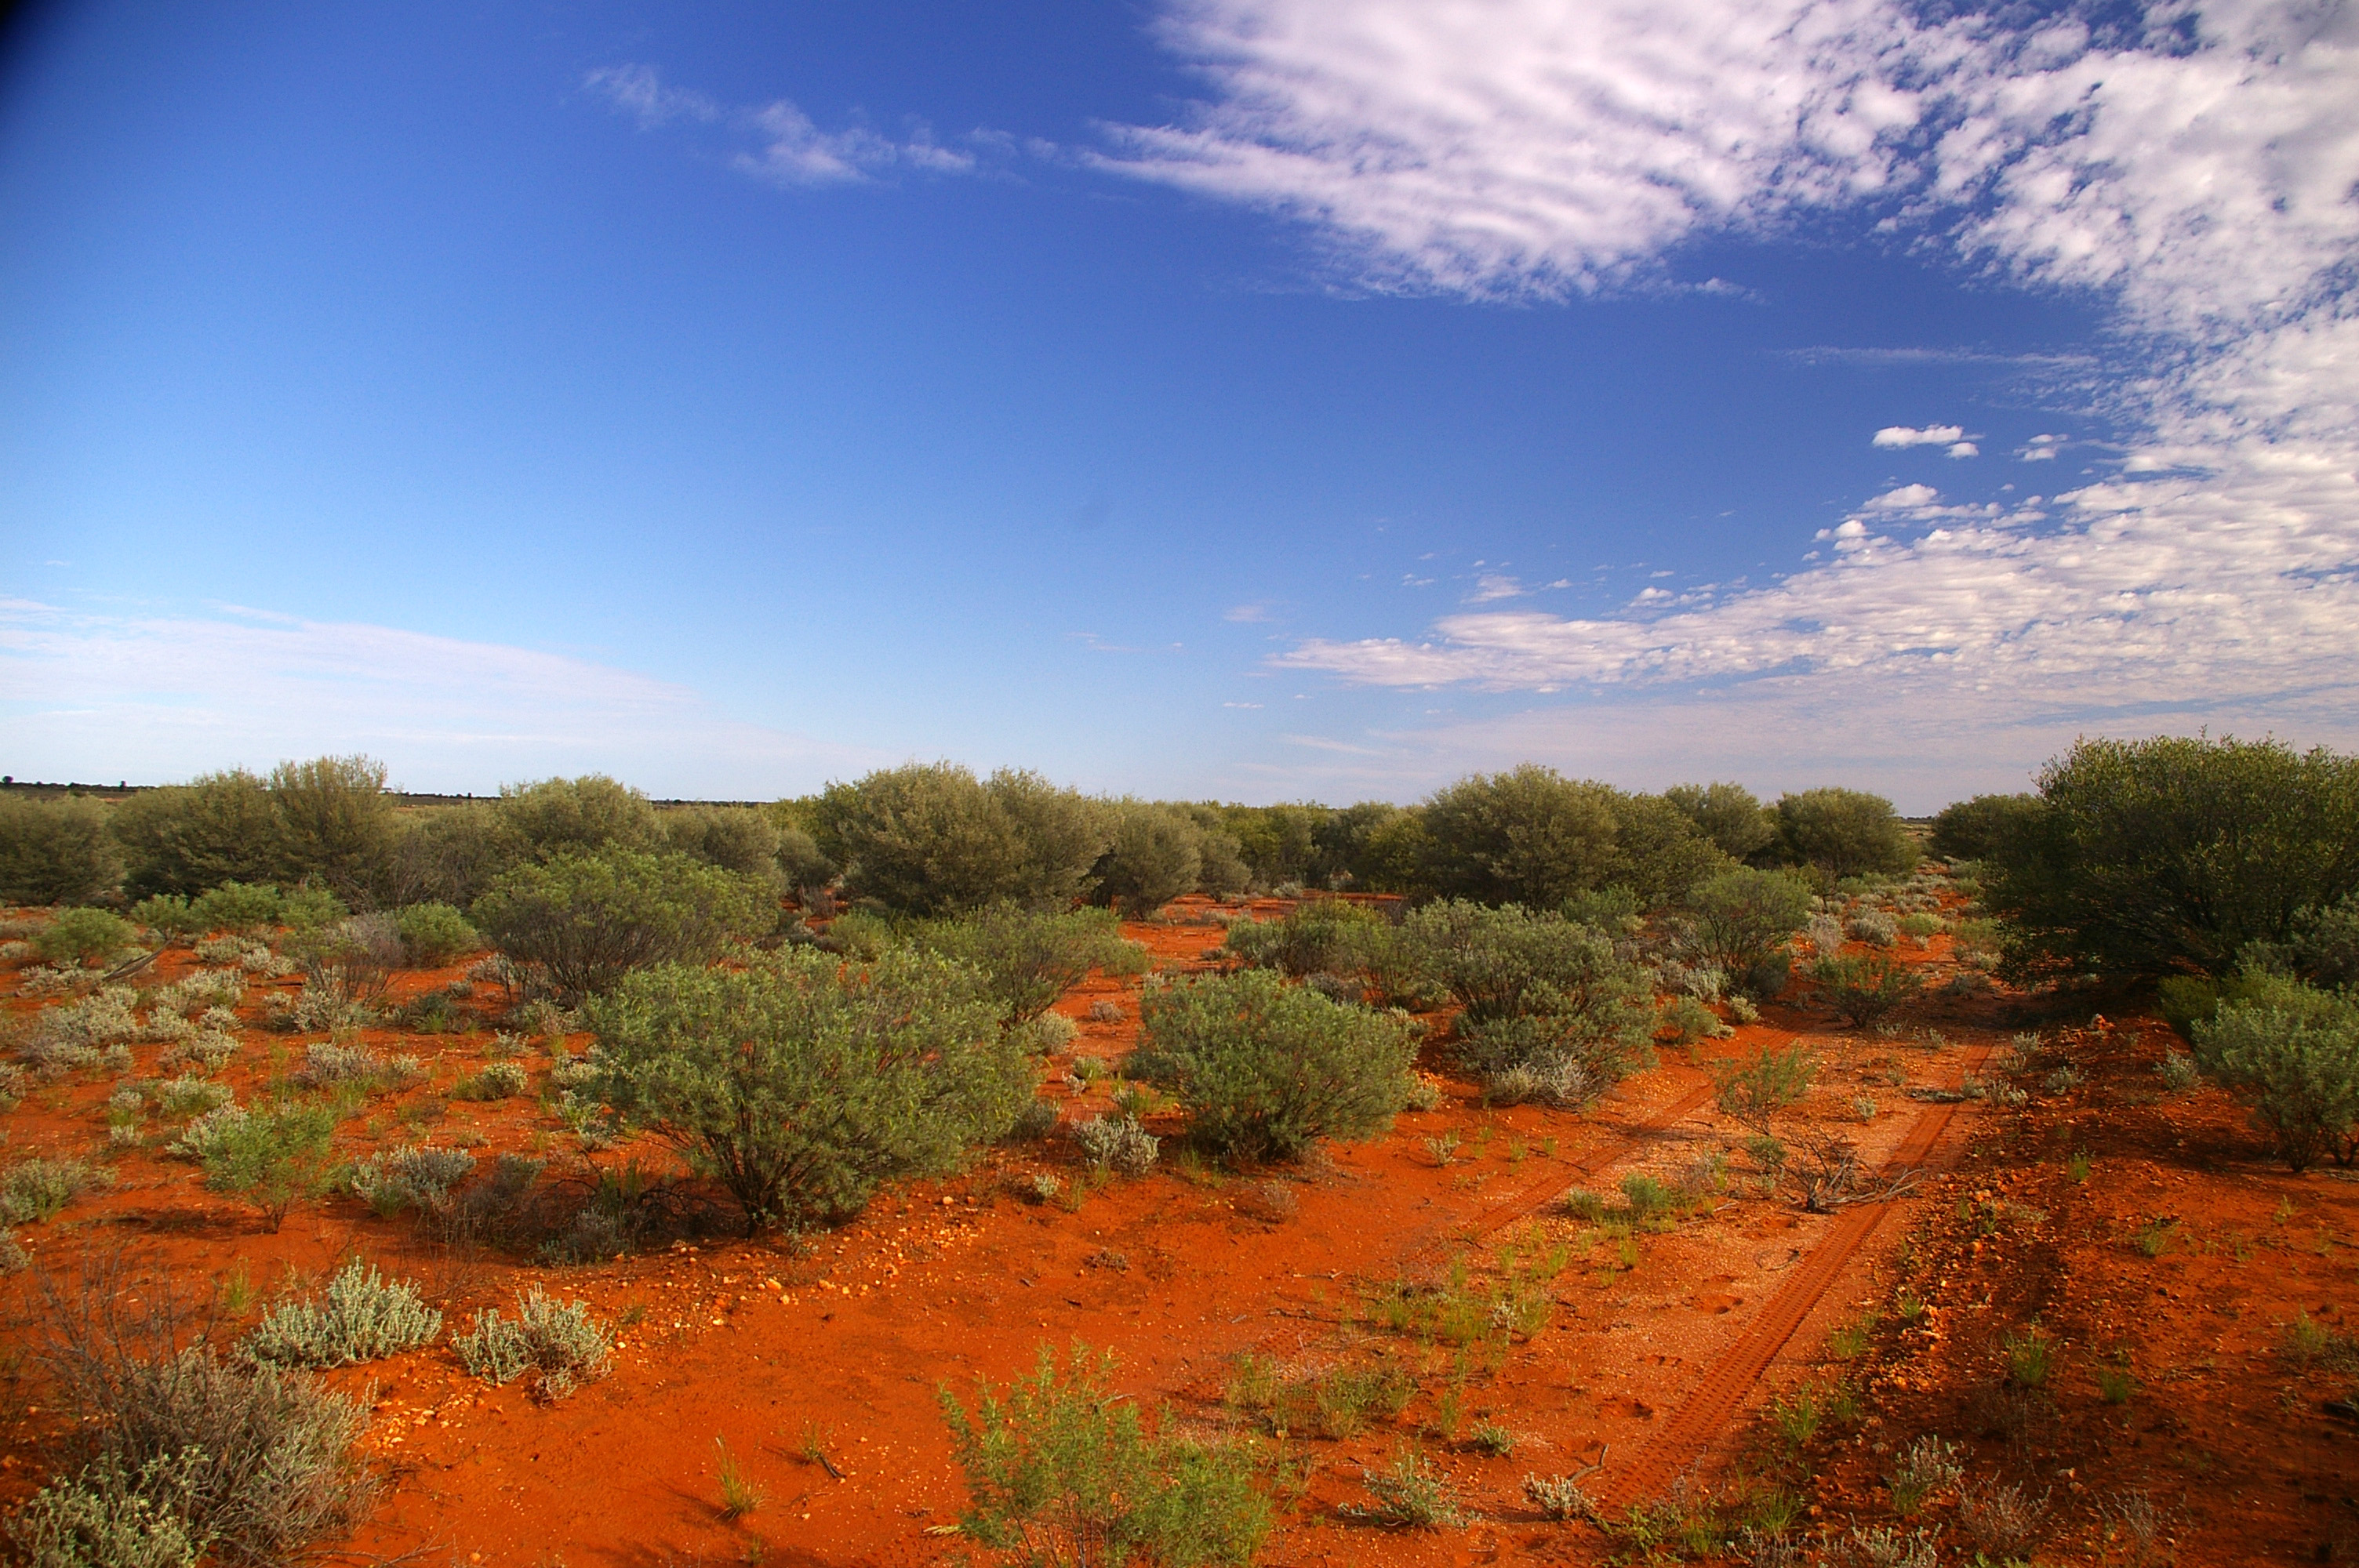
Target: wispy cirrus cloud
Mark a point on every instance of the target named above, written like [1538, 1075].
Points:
[779, 142]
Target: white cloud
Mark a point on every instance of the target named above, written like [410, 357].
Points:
[2193, 171]
[639, 92]
[791, 150]
[157, 697]
[1907, 435]
[1492, 587]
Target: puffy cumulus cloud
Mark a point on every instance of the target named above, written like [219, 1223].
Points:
[2191, 164]
[789, 149]
[139, 697]
[1907, 435]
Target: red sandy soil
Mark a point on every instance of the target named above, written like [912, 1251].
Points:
[1657, 1374]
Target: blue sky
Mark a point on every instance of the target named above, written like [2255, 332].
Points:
[1260, 400]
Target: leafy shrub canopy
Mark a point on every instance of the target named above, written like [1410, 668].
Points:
[1727, 813]
[1975, 829]
[54, 852]
[1027, 960]
[1739, 922]
[2293, 1051]
[931, 838]
[590, 919]
[1843, 832]
[1264, 1069]
[1529, 836]
[2150, 857]
[800, 1083]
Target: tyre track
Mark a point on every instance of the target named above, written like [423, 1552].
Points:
[1713, 1403]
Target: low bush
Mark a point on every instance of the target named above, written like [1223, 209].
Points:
[432, 934]
[1061, 1469]
[236, 906]
[497, 1080]
[1027, 959]
[1549, 1008]
[800, 1082]
[1117, 1144]
[80, 936]
[359, 1317]
[1873, 926]
[562, 1343]
[1154, 854]
[931, 838]
[38, 1188]
[249, 1463]
[1752, 1091]
[1322, 936]
[273, 1159]
[348, 963]
[2292, 1051]
[587, 920]
[418, 1175]
[1264, 1069]
[1866, 988]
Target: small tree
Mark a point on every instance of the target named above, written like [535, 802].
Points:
[1740, 921]
[187, 838]
[926, 839]
[1727, 813]
[741, 838]
[1266, 1069]
[2174, 854]
[1975, 829]
[55, 851]
[273, 1159]
[588, 920]
[1155, 855]
[1528, 836]
[578, 817]
[1844, 833]
[800, 1083]
[1658, 853]
[336, 825]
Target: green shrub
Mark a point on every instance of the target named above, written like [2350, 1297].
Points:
[1155, 854]
[169, 915]
[931, 838]
[561, 1342]
[55, 851]
[83, 934]
[348, 964]
[2293, 1051]
[1264, 1069]
[800, 1083]
[1063, 1470]
[434, 934]
[39, 1187]
[272, 1159]
[413, 1176]
[1345, 847]
[1411, 1493]
[1978, 829]
[1865, 989]
[2175, 855]
[741, 838]
[1843, 833]
[586, 815]
[1318, 936]
[359, 1318]
[187, 838]
[498, 1080]
[589, 919]
[1740, 922]
[1117, 1144]
[111, 1517]
[1685, 1020]
[1754, 1091]
[1658, 853]
[1727, 813]
[450, 854]
[336, 825]
[1528, 836]
[1027, 960]
[236, 906]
